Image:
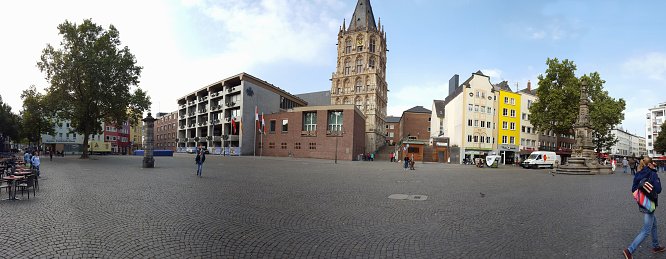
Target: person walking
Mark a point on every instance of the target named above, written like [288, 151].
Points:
[406, 162]
[649, 174]
[201, 157]
[632, 165]
[51, 153]
[26, 157]
[625, 163]
[391, 157]
[35, 163]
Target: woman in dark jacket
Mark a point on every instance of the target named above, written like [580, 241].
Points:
[649, 219]
[201, 157]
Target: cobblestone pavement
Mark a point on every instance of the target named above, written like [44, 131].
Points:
[246, 207]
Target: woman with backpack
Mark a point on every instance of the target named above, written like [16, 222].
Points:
[647, 174]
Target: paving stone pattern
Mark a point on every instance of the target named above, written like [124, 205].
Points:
[246, 207]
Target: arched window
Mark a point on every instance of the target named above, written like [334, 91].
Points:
[348, 45]
[347, 67]
[372, 45]
[359, 86]
[359, 66]
[359, 103]
[371, 64]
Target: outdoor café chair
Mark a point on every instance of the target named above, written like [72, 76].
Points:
[26, 184]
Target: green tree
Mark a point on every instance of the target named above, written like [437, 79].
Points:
[9, 125]
[660, 142]
[35, 119]
[91, 79]
[605, 112]
[558, 103]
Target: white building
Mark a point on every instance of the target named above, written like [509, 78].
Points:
[528, 137]
[654, 120]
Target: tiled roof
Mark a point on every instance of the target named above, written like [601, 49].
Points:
[418, 109]
[316, 98]
[363, 14]
[439, 108]
[392, 119]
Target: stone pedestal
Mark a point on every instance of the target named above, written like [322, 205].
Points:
[148, 141]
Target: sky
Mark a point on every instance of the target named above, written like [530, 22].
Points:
[189, 44]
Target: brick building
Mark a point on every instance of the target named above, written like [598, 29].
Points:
[392, 130]
[165, 131]
[415, 124]
[312, 132]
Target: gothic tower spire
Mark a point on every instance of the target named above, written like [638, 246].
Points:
[363, 16]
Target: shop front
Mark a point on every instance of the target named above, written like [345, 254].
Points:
[471, 154]
[525, 152]
[509, 153]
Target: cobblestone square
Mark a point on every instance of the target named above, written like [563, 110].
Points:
[252, 207]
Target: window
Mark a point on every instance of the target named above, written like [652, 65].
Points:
[529, 103]
[513, 126]
[348, 46]
[347, 68]
[391, 134]
[524, 116]
[470, 107]
[493, 140]
[505, 125]
[488, 140]
[469, 123]
[505, 112]
[272, 127]
[529, 130]
[476, 123]
[359, 104]
[271, 145]
[283, 146]
[504, 139]
[489, 112]
[534, 143]
[513, 113]
[335, 121]
[469, 138]
[506, 100]
[483, 124]
[372, 46]
[285, 125]
[297, 145]
[483, 95]
[483, 109]
[392, 126]
[513, 101]
[429, 119]
[310, 121]
[478, 94]
[487, 124]
[313, 146]
[359, 66]
[512, 140]
[476, 139]
[476, 108]
[371, 63]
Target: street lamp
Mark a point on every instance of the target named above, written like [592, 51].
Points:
[337, 134]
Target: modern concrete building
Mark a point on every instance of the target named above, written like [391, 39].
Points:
[205, 116]
[360, 76]
[64, 140]
[654, 119]
[165, 131]
[314, 132]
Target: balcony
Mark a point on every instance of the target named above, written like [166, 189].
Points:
[182, 126]
[231, 104]
[306, 133]
[202, 139]
[203, 99]
[204, 110]
[233, 137]
[191, 140]
[203, 123]
[217, 138]
[182, 106]
[182, 116]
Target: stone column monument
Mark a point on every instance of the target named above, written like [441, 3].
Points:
[583, 160]
[148, 140]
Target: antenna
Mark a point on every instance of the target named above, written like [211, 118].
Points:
[517, 87]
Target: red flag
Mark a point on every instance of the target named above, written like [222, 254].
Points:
[256, 117]
[263, 125]
[233, 124]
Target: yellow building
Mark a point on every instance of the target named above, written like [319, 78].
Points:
[136, 136]
[508, 133]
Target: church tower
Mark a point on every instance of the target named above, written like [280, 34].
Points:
[360, 77]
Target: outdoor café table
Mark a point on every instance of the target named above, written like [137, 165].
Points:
[12, 196]
[23, 173]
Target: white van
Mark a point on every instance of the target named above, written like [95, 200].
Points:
[541, 159]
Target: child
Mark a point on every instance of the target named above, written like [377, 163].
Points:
[406, 162]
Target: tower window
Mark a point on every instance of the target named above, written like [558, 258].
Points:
[348, 47]
[372, 45]
[371, 64]
[359, 66]
[359, 87]
[347, 68]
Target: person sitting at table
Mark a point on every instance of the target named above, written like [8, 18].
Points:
[35, 163]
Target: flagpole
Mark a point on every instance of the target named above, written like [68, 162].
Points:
[261, 151]
[255, 133]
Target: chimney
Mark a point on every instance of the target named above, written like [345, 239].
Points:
[528, 86]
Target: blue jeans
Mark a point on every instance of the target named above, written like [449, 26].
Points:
[625, 168]
[199, 168]
[649, 227]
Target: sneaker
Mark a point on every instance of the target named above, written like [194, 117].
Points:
[658, 249]
[626, 254]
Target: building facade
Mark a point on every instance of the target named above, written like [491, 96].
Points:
[415, 124]
[136, 136]
[654, 119]
[437, 120]
[324, 132]
[360, 77]
[509, 125]
[64, 140]
[528, 137]
[470, 116]
[392, 130]
[205, 116]
[165, 131]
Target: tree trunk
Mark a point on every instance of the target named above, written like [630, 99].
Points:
[86, 134]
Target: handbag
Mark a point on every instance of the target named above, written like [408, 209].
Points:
[644, 196]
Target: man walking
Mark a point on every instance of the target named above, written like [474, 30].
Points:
[201, 157]
[632, 165]
[625, 163]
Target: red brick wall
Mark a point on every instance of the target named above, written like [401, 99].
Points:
[416, 124]
[396, 132]
[164, 134]
[321, 145]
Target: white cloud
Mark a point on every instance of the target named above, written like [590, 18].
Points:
[651, 65]
[494, 74]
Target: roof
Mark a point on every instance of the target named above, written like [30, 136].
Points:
[316, 98]
[392, 119]
[504, 86]
[419, 109]
[525, 91]
[362, 15]
[439, 107]
[459, 89]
